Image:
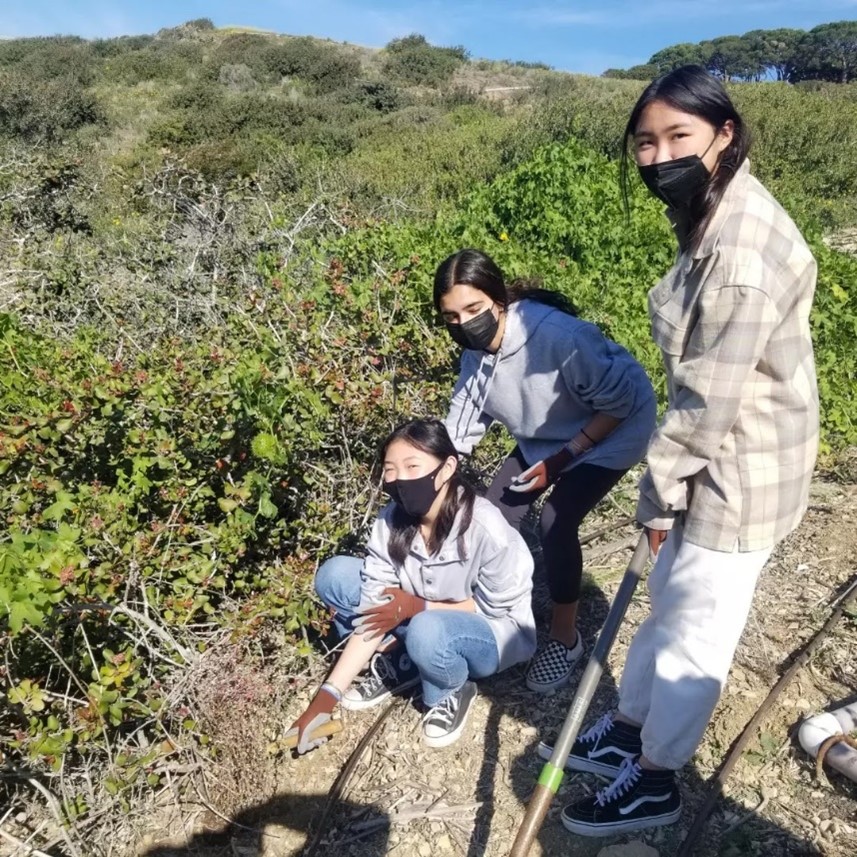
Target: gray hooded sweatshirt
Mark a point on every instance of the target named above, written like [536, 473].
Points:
[551, 374]
[495, 570]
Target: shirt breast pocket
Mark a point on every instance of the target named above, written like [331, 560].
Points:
[670, 331]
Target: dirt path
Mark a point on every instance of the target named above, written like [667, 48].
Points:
[468, 799]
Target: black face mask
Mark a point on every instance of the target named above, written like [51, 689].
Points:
[415, 496]
[676, 182]
[477, 333]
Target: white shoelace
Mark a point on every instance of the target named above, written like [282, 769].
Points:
[444, 711]
[629, 773]
[597, 731]
[380, 668]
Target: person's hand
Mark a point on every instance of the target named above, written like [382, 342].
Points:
[541, 474]
[317, 712]
[398, 607]
[656, 539]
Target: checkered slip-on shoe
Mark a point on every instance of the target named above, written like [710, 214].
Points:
[553, 665]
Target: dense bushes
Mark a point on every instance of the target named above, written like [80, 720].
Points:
[413, 60]
[804, 148]
[324, 67]
[44, 111]
[150, 505]
[558, 216]
[161, 61]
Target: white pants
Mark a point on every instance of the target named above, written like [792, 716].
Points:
[679, 658]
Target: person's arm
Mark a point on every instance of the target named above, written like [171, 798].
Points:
[596, 374]
[465, 423]
[354, 657]
[505, 572]
[378, 571]
[599, 373]
[598, 428]
[733, 327]
[356, 654]
[547, 471]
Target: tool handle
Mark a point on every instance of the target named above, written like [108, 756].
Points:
[328, 728]
[553, 770]
[537, 809]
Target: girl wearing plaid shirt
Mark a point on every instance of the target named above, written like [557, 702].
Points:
[729, 466]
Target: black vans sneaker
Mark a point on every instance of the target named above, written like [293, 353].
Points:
[552, 666]
[444, 723]
[388, 674]
[601, 749]
[636, 799]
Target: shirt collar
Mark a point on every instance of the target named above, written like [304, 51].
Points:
[450, 545]
[734, 190]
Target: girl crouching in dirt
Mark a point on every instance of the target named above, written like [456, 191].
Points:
[445, 585]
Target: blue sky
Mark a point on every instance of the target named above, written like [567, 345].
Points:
[587, 36]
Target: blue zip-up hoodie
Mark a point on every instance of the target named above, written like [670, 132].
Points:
[551, 374]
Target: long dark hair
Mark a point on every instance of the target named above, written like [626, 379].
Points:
[431, 436]
[691, 89]
[474, 268]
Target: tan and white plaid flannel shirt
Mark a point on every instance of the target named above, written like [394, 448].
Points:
[735, 451]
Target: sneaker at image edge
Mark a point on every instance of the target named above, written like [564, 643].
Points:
[601, 749]
[552, 666]
[637, 799]
[388, 674]
[444, 722]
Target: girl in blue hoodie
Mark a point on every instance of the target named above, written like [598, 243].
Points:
[580, 408]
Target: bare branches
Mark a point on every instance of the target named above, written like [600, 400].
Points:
[174, 252]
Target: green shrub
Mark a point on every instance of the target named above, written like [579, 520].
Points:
[456, 152]
[60, 59]
[200, 24]
[802, 150]
[104, 48]
[237, 78]
[413, 60]
[39, 49]
[242, 49]
[44, 111]
[378, 95]
[204, 114]
[589, 109]
[326, 67]
[161, 61]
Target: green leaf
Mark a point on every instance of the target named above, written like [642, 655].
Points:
[266, 508]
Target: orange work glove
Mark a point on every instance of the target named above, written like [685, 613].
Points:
[384, 617]
[542, 473]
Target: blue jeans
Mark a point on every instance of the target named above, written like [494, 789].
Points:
[447, 646]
